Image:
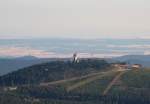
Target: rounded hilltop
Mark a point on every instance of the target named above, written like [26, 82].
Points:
[89, 80]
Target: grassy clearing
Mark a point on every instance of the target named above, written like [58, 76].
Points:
[94, 85]
[71, 80]
[89, 80]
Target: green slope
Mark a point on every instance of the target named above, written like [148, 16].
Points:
[86, 87]
[53, 71]
[132, 81]
[131, 88]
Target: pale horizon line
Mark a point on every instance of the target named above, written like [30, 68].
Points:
[76, 38]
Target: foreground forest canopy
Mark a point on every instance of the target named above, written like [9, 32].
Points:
[66, 82]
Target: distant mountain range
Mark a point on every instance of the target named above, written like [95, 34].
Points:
[11, 64]
[134, 59]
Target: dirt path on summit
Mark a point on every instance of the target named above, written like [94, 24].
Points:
[113, 82]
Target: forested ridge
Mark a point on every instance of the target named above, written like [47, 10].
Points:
[90, 78]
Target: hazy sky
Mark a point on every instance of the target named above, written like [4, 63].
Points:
[75, 18]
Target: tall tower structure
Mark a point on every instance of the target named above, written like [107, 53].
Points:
[75, 57]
